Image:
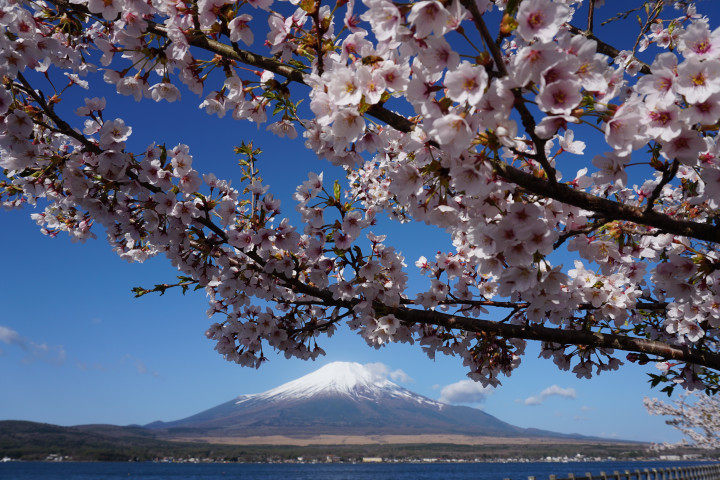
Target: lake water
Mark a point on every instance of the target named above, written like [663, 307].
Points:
[248, 471]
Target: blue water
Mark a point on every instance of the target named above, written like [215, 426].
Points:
[248, 471]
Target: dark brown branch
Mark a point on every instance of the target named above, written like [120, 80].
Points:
[646, 26]
[556, 335]
[62, 125]
[485, 34]
[604, 207]
[668, 174]
[239, 55]
[605, 48]
[521, 305]
[64, 128]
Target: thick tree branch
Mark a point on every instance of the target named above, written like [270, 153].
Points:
[227, 51]
[607, 208]
[556, 335]
[521, 305]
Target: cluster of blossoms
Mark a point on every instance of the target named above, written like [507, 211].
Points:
[695, 416]
[478, 152]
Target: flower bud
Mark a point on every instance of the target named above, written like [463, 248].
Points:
[507, 25]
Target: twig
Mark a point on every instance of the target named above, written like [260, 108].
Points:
[585, 230]
[63, 126]
[668, 175]
[607, 49]
[591, 14]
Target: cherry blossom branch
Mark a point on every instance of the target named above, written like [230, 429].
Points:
[227, 51]
[515, 305]
[62, 125]
[698, 419]
[604, 207]
[649, 20]
[284, 275]
[64, 128]
[485, 34]
[556, 335]
[550, 189]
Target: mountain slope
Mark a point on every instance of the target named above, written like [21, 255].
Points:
[341, 398]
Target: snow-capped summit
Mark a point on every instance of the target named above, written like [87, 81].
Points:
[340, 399]
[338, 379]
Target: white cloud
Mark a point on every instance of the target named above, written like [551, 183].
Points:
[85, 367]
[465, 391]
[10, 337]
[400, 376]
[586, 408]
[139, 366]
[383, 372]
[35, 351]
[551, 391]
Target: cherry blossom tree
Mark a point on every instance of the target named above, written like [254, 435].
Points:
[696, 416]
[471, 116]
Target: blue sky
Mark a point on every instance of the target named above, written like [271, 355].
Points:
[76, 347]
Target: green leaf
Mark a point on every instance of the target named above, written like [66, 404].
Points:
[512, 6]
[308, 6]
[139, 291]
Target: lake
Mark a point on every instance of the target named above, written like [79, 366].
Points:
[332, 471]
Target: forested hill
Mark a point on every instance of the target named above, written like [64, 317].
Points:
[36, 441]
[21, 440]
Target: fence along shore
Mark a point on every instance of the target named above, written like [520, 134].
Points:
[697, 472]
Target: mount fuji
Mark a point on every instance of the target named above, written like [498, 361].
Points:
[341, 399]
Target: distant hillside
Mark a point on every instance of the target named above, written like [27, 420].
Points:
[36, 441]
[30, 440]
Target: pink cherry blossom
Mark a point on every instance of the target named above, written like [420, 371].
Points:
[240, 30]
[560, 97]
[540, 19]
[698, 41]
[698, 80]
[428, 16]
[466, 83]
